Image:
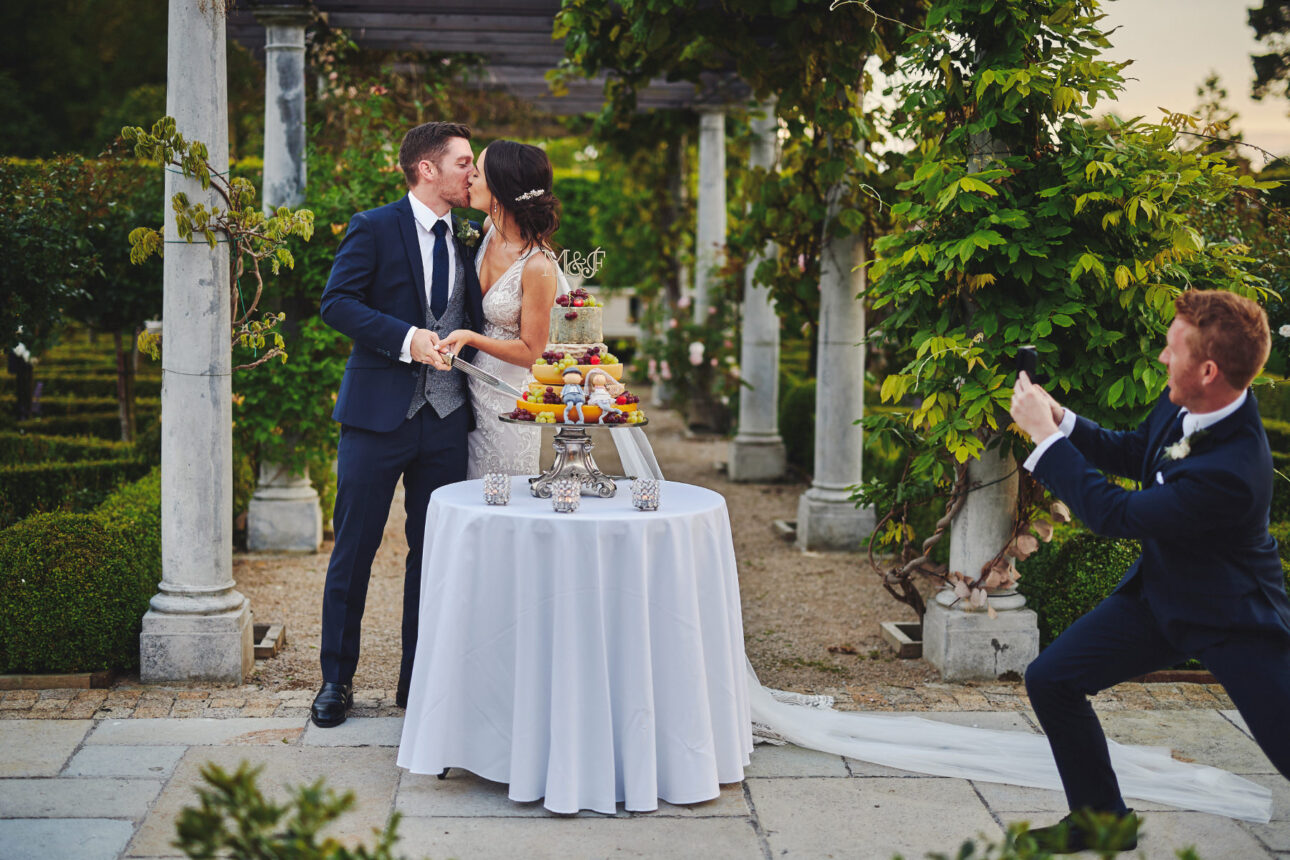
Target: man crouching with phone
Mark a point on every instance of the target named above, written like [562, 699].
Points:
[1208, 583]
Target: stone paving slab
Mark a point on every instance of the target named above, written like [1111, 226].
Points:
[788, 760]
[77, 798]
[47, 839]
[576, 838]
[39, 747]
[1276, 833]
[1234, 716]
[870, 818]
[461, 795]
[369, 772]
[149, 762]
[357, 732]
[1204, 736]
[1214, 837]
[196, 732]
[1049, 804]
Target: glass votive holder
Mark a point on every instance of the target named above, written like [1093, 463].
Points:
[566, 495]
[497, 488]
[645, 492]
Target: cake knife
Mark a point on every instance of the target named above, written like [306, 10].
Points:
[482, 375]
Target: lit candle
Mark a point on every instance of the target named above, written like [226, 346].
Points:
[497, 488]
[566, 495]
[645, 494]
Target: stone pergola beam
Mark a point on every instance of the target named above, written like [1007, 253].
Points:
[198, 626]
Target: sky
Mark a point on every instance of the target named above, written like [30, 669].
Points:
[1175, 44]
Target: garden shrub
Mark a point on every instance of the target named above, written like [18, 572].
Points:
[27, 488]
[1070, 575]
[74, 587]
[797, 423]
[34, 448]
[75, 404]
[59, 383]
[1281, 487]
[1274, 400]
[106, 425]
[1278, 435]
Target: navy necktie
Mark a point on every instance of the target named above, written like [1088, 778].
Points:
[439, 270]
[1171, 436]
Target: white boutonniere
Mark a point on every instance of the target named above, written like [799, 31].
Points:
[1180, 449]
[467, 234]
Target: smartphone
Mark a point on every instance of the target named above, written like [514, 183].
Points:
[1028, 360]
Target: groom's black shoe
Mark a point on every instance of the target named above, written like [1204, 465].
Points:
[332, 704]
[1081, 831]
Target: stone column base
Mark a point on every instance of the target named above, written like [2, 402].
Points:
[214, 647]
[972, 646]
[753, 460]
[828, 520]
[284, 516]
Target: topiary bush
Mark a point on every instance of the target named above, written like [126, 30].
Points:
[797, 423]
[60, 383]
[74, 587]
[105, 425]
[1070, 575]
[35, 448]
[27, 488]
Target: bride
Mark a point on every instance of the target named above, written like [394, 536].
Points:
[520, 280]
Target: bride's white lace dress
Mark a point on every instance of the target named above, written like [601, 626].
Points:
[494, 446]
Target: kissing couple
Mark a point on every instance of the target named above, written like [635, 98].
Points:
[410, 285]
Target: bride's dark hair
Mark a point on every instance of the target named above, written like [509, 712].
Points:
[520, 179]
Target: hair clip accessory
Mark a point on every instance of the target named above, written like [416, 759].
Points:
[529, 195]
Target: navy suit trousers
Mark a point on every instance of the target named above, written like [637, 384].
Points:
[428, 452]
[1121, 639]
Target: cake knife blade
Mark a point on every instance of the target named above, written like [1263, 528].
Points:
[482, 375]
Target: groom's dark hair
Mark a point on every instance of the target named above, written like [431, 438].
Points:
[427, 142]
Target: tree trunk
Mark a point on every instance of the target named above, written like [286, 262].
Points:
[124, 387]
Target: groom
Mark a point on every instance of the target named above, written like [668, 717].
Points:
[400, 281]
[1208, 583]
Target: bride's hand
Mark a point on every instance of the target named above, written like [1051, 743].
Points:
[457, 341]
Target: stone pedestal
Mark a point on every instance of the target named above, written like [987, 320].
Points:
[826, 517]
[198, 626]
[972, 646]
[284, 514]
[757, 451]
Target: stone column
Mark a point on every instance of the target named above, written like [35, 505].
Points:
[826, 517]
[199, 625]
[710, 242]
[966, 645]
[284, 514]
[757, 451]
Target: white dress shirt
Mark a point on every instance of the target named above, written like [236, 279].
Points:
[426, 219]
[1191, 423]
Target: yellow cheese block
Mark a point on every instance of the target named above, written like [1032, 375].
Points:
[551, 374]
[589, 413]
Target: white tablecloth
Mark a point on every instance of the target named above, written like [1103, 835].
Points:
[586, 658]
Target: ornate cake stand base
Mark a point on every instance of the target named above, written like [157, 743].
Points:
[572, 445]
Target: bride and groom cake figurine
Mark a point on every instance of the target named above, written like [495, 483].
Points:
[411, 283]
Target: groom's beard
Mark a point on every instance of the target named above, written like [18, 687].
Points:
[458, 198]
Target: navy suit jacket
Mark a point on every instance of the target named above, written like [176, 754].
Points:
[1208, 567]
[375, 292]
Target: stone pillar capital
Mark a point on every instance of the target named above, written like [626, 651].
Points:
[285, 14]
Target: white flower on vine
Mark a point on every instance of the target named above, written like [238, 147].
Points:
[696, 353]
[1284, 331]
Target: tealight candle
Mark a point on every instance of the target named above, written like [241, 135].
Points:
[497, 488]
[645, 494]
[566, 495]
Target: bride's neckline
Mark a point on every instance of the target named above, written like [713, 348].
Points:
[483, 291]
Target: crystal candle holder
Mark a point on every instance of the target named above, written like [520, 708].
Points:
[497, 488]
[566, 495]
[645, 493]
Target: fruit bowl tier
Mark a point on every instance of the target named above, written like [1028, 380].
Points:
[572, 444]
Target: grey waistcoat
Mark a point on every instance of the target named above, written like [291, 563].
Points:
[444, 391]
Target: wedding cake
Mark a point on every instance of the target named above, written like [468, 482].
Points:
[576, 344]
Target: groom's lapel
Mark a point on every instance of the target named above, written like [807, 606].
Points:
[408, 230]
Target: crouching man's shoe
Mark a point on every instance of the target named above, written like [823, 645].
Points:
[332, 704]
[1085, 830]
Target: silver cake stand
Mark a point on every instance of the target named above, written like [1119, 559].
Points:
[572, 445]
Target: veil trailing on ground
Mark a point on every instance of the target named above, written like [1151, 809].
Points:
[988, 755]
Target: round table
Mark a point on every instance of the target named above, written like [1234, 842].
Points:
[589, 658]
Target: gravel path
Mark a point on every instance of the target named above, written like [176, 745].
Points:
[810, 619]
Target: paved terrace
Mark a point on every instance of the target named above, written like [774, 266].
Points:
[102, 774]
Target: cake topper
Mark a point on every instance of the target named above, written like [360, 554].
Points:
[572, 395]
[575, 265]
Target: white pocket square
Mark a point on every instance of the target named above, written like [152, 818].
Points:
[1160, 477]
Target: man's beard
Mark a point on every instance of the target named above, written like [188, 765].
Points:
[459, 197]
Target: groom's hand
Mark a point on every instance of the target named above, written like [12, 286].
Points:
[1034, 411]
[425, 349]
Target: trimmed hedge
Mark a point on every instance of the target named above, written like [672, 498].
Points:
[1281, 488]
[74, 587]
[33, 448]
[81, 384]
[1278, 435]
[1070, 575]
[797, 423]
[28, 488]
[65, 405]
[106, 425]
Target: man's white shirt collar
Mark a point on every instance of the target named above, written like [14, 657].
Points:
[1194, 421]
[425, 215]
